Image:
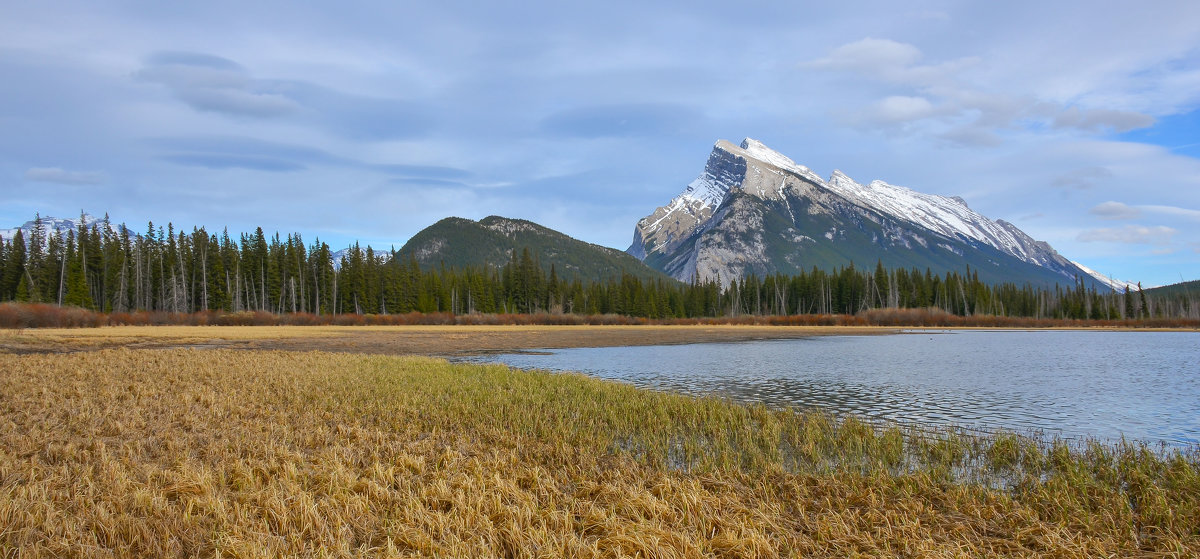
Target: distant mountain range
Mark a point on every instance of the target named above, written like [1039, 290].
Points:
[51, 225]
[754, 210]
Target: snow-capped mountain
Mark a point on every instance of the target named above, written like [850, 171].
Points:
[753, 209]
[1113, 283]
[51, 225]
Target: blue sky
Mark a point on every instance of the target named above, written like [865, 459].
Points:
[368, 121]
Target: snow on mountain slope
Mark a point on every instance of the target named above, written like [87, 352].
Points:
[1115, 284]
[662, 230]
[691, 230]
[949, 216]
[50, 224]
[758, 150]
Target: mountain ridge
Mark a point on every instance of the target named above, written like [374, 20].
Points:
[51, 225]
[773, 213]
[490, 242]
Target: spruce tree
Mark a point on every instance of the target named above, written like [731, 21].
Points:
[14, 266]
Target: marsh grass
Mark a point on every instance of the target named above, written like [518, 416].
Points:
[14, 315]
[136, 453]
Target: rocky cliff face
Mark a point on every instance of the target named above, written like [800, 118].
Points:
[662, 231]
[754, 210]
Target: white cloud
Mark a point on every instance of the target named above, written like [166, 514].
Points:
[62, 176]
[1130, 234]
[870, 55]
[900, 108]
[969, 100]
[1119, 210]
[1173, 211]
[896, 63]
[1115, 211]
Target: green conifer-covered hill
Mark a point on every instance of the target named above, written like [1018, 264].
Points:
[1187, 288]
[456, 242]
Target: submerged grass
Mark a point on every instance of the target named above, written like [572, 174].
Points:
[134, 453]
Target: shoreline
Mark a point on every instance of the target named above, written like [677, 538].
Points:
[448, 340]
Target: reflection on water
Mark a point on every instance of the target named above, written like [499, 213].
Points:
[1141, 385]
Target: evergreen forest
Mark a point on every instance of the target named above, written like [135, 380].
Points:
[112, 269]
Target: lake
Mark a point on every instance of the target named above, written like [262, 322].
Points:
[1070, 384]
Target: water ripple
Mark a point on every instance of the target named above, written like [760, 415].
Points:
[1138, 385]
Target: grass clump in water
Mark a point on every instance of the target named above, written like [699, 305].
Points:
[239, 453]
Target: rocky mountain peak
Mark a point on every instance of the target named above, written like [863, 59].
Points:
[756, 210]
[838, 177]
[758, 151]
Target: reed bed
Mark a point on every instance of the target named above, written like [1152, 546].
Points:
[19, 316]
[206, 453]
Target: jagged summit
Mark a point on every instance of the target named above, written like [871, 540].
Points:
[759, 151]
[50, 225]
[753, 209]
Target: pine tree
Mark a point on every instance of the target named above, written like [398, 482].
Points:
[881, 285]
[74, 292]
[14, 266]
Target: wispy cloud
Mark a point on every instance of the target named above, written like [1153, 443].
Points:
[945, 95]
[240, 152]
[1173, 211]
[233, 161]
[212, 83]
[884, 58]
[63, 176]
[215, 84]
[1130, 234]
[1082, 179]
[1115, 211]
[1101, 119]
[1119, 210]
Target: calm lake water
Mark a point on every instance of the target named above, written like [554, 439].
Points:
[1140, 385]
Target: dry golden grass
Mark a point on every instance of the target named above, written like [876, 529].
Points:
[397, 340]
[166, 453]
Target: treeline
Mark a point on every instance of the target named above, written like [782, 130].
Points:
[15, 315]
[111, 269]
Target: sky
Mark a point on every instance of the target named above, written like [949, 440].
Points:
[370, 120]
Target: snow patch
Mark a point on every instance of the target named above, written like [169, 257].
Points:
[50, 225]
[758, 150]
[1114, 284]
[951, 248]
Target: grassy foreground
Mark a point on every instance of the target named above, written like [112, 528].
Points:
[142, 453]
